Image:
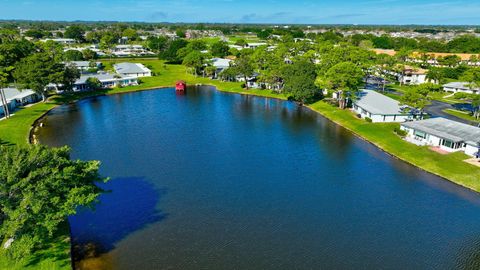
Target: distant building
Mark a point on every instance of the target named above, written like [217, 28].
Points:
[462, 87]
[107, 80]
[379, 108]
[85, 65]
[132, 69]
[447, 135]
[131, 50]
[66, 41]
[413, 76]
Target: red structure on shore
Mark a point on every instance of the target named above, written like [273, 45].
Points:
[181, 87]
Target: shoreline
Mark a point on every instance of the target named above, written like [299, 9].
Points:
[32, 139]
[311, 107]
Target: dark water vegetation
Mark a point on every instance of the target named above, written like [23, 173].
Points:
[221, 181]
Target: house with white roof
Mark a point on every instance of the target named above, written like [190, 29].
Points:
[220, 64]
[66, 41]
[107, 80]
[460, 87]
[132, 69]
[16, 97]
[131, 50]
[379, 108]
[85, 65]
[447, 135]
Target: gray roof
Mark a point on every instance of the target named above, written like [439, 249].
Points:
[460, 85]
[447, 129]
[14, 93]
[102, 77]
[82, 63]
[376, 103]
[129, 68]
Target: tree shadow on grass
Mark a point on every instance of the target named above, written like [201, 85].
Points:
[129, 205]
[57, 250]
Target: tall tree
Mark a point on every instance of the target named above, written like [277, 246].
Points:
[37, 71]
[243, 67]
[345, 77]
[299, 80]
[219, 49]
[39, 188]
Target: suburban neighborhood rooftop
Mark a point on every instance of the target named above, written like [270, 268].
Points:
[447, 129]
[130, 68]
[376, 103]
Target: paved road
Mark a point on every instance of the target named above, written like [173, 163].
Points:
[436, 110]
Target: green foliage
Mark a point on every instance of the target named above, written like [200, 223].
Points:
[89, 54]
[93, 83]
[194, 60]
[368, 119]
[400, 132]
[75, 32]
[157, 44]
[299, 80]
[73, 55]
[170, 53]
[219, 49]
[416, 97]
[39, 188]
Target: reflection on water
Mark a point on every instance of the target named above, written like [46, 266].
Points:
[253, 183]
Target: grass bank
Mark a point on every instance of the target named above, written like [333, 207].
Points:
[16, 131]
[450, 166]
[463, 115]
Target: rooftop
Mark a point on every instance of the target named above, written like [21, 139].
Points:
[460, 85]
[102, 77]
[376, 103]
[447, 129]
[124, 68]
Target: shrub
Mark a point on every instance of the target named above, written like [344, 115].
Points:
[400, 132]
[368, 119]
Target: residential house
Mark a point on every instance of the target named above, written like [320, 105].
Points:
[379, 108]
[66, 41]
[447, 135]
[413, 76]
[462, 87]
[107, 80]
[131, 50]
[132, 69]
[16, 97]
[220, 64]
[84, 66]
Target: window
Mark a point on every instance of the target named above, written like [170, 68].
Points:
[420, 134]
[448, 143]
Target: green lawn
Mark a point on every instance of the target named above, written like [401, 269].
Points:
[449, 166]
[463, 115]
[56, 256]
[16, 131]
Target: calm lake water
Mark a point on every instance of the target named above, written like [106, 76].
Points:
[212, 180]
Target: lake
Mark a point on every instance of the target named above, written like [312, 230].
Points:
[212, 180]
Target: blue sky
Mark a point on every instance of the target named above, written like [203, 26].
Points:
[249, 11]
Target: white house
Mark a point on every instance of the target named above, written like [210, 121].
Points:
[220, 64]
[85, 65]
[132, 69]
[17, 98]
[107, 80]
[413, 76]
[448, 135]
[462, 87]
[66, 41]
[131, 50]
[379, 108]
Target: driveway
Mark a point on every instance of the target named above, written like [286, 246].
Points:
[436, 110]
